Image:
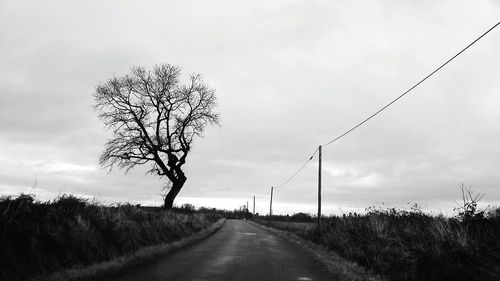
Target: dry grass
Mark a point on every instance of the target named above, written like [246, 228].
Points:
[410, 245]
[40, 238]
[340, 268]
[100, 271]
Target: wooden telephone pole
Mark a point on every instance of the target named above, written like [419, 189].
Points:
[319, 191]
[271, 204]
[254, 204]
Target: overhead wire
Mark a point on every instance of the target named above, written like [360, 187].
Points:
[411, 88]
[387, 105]
[299, 170]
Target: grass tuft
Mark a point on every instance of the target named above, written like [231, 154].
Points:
[40, 238]
[411, 245]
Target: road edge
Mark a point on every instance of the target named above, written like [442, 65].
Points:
[338, 266]
[120, 264]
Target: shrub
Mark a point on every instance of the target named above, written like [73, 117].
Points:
[412, 246]
[38, 238]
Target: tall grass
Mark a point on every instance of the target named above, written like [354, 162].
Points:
[411, 245]
[39, 238]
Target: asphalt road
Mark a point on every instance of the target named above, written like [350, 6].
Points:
[239, 251]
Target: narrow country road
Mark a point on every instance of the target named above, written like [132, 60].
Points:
[239, 251]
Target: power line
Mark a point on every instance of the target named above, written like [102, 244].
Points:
[387, 105]
[410, 89]
[299, 170]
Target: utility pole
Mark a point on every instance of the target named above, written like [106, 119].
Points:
[254, 204]
[319, 191]
[271, 204]
[247, 207]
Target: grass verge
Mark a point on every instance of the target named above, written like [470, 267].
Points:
[117, 265]
[339, 267]
[410, 246]
[38, 239]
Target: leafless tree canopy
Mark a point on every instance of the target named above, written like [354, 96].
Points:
[154, 119]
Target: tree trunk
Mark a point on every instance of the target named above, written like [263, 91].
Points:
[168, 202]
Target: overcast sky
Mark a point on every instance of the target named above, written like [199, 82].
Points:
[289, 75]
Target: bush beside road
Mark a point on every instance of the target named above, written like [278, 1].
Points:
[410, 245]
[40, 238]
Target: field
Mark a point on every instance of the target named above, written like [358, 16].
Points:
[410, 245]
[40, 238]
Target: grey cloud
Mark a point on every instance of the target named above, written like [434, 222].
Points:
[289, 76]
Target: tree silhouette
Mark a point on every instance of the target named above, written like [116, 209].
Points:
[154, 120]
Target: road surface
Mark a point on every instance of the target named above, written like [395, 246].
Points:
[239, 251]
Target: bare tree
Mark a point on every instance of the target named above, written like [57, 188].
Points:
[154, 120]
